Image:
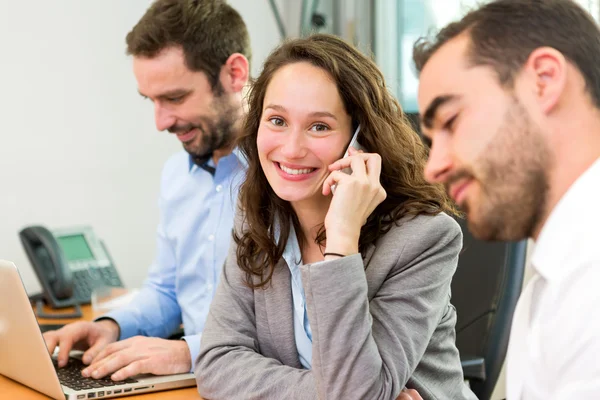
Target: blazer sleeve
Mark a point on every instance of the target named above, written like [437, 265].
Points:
[230, 365]
[369, 349]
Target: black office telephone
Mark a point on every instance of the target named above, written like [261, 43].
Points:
[70, 264]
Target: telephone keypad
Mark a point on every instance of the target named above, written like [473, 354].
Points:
[86, 280]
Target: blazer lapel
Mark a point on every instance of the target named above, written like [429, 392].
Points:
[279, 307]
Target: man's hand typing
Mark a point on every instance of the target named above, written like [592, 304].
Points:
[140, 355]
[89, 336]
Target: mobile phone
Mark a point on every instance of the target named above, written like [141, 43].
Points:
[353, 143]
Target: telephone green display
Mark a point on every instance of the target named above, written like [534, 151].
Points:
[75, 247]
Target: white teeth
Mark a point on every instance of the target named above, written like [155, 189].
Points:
[296, 171]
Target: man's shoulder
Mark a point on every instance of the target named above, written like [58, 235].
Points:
[177, 163]
[174, 173]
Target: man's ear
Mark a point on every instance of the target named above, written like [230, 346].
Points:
[546, 69]
[235, 72]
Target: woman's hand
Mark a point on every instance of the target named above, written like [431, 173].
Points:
[409, 394]
[355, 198]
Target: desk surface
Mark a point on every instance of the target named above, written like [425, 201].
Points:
[10, 389]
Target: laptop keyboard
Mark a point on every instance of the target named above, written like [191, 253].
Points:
[70, 376]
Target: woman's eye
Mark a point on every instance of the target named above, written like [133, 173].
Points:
[319, 127]
[276, 121]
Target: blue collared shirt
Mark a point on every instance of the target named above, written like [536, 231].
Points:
[193, 237]
[302, 331]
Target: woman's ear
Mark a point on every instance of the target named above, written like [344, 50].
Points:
[235, 73]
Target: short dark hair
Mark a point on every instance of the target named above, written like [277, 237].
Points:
[208, 31]
[504, 33]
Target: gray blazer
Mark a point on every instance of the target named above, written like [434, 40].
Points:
[380, 322]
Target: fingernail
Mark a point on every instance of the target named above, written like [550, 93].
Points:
[115, 377]
[95, 374]
[85, 372]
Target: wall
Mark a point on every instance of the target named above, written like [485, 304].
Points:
[78, 145]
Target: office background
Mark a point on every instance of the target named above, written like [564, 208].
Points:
[78, 144]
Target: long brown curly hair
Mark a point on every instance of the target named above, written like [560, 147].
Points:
[385, 130]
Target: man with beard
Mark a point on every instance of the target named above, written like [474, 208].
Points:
[191, 59]
[510, 99]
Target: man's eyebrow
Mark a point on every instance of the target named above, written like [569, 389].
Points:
[169, 93]
[429, 114]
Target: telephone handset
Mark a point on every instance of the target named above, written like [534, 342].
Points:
[48, 262]
[353, 143]
[70, 264]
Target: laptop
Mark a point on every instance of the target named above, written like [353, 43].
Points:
[25, 358]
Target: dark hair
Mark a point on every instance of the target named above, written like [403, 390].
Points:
[208, 31]
[384, 130]
[504, 33]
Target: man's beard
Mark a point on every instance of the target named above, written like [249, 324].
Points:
[215, 133]
[512, 172]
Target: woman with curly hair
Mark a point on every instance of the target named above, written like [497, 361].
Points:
[329, 294]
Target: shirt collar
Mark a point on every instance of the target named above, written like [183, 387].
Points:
[565, 227]
[236, 152]
[240, 156]
[291, 252]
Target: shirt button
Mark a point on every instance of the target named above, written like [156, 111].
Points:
[219, 188]
[211, 237]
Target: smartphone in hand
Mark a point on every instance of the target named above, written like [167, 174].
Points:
[353, 143]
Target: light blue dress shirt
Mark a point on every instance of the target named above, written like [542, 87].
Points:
[302, 331]
[193, 237]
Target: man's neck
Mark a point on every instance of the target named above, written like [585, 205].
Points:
[227, 149]
[572, 157]
[218, 154]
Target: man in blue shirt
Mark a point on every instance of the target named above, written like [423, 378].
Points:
[191, 59]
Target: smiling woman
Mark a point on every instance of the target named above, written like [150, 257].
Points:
[304, 129]
[326, 295]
